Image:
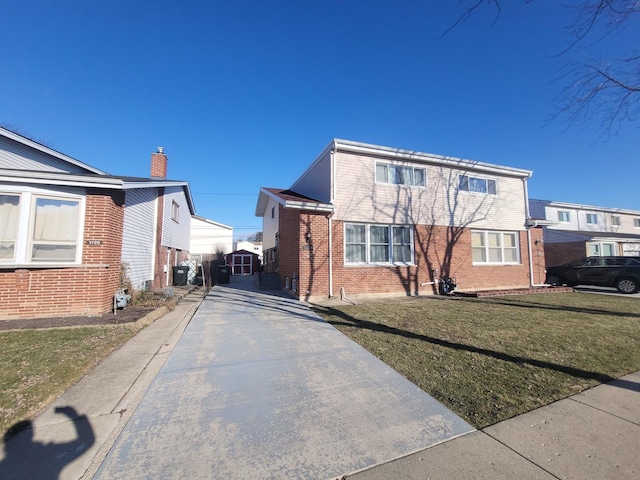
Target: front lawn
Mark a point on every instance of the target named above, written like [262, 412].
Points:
[488, 359]
[38, 365]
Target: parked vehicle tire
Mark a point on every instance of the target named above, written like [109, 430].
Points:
[554, 280]
[627, 285]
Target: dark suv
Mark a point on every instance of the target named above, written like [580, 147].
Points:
[620, 272]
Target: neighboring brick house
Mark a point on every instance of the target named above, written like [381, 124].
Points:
[573, 231]
[66, 228]
[367, 220]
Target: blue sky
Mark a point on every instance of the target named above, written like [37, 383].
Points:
[245, 94]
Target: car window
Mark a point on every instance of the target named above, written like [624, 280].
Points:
[578, 263]
[594, 262]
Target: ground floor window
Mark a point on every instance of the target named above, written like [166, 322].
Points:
[9, 218]
[602, 249]
[378, 244]
[493, 247]
[38, 228]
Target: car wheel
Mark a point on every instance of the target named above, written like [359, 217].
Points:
[627, 285]
[554, 280]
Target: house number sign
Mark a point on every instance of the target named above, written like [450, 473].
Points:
[94, 242]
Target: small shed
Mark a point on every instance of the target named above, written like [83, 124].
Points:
[243, 262]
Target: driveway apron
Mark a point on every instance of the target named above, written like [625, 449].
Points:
[259, 386]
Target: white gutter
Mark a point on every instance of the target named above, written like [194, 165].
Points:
[405, 155]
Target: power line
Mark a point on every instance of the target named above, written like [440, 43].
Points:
[217, 193]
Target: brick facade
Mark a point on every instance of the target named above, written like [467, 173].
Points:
[438, 251]
[87, 289]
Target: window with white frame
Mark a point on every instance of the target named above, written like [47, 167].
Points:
[615, 220]
[495, 247]
[592, 219]
[9, 222]
[636, 222]
[563, 216]
[40, 228]
[175, 211]
[401, 175]
[391, 244]
[467, 183]
[54, 233]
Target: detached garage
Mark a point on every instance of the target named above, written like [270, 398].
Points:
[243, 262]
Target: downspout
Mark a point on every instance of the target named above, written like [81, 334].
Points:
[330, 256]
[329, 218]
[528, 226]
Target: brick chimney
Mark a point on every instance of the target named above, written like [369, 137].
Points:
[159, 164]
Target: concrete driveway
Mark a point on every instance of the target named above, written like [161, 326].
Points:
[259, 386]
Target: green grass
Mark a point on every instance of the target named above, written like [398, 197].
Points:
[489, 359]
[38, 365]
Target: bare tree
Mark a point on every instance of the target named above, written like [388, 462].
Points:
[604, 89]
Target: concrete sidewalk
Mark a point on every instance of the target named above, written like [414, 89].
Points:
[258, 386]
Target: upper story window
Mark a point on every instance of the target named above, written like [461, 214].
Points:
[563, 216]
[378, 244]
[468, 183]
[273, 212]
[175, 211]
[39, 228]
[615, 220]
[592, 219]
[400, 175]
[636, 222]
[495, 247]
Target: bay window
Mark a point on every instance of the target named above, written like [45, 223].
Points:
[494, 247]
[376, 244]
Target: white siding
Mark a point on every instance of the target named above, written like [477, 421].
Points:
[578, 219]
[175, 234]
[270, 225]
[207, 238]
[138, 238]
[14, 155]
[359, 198]
[316, 181]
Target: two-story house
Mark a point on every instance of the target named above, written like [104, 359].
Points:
[367, 220]
[67, 229]
[572, 230]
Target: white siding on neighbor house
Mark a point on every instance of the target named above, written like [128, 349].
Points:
[315, 182]
[16, 156]
[270, 225]
[207, 238]
[139, 233]
[359, 198]
[578, 220]
[175, 234]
